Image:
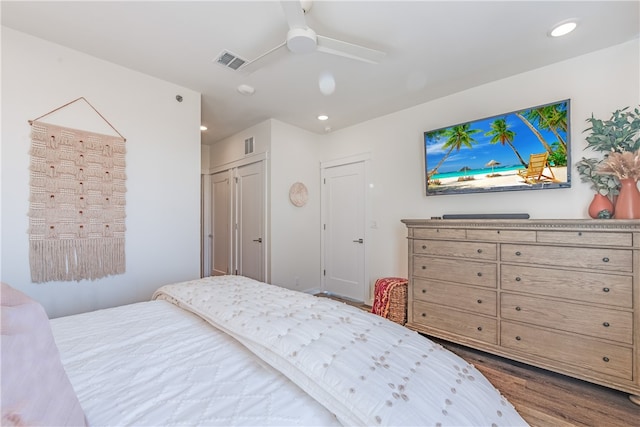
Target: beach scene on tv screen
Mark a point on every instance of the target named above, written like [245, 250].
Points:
[525, 149]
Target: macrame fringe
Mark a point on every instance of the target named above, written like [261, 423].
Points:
[76, 259]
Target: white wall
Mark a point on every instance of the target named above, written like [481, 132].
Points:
[597, 83]
[226, 152]
[163, 168]
[295, 237]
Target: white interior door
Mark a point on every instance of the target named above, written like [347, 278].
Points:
[206, 222]
[344, 230]
[250, 189]
[221, 218]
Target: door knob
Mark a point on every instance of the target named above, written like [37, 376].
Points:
[259, 240]
[359, 241]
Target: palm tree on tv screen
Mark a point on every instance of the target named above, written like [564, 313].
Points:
[500, 133]
[554, 119]
[457, 137]
[551, 117]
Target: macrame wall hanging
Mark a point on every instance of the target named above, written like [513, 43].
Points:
[77, 202]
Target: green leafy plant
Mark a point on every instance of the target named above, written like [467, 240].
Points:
[614, 137]
[602, 183]
[618, 134]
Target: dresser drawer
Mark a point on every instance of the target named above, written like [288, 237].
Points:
[609, 324]
[593, 238]
[468, 298]
[456, 322]
[453, 270]
[619, 260]
[600, 288]
[474, 250]
[439, 233]
[502, 235]
[561, 349]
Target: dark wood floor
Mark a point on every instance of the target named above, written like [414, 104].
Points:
[547, 399]
[544, 398]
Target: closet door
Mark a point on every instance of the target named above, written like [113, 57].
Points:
[222, 223]
[250, 214]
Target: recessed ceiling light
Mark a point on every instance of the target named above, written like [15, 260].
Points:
[563, 28]
[203, 127]
[246, 89]
[323, 117]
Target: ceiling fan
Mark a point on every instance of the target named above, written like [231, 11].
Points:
[302, 39]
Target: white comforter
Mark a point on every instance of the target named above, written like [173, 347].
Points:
[154, 364]
[365, 369]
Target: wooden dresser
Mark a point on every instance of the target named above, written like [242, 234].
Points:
[563, 295]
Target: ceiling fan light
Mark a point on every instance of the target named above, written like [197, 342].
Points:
[563, 28]
[323, 117]
[302, 40]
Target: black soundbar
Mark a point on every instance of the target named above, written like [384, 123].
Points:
[487, 216]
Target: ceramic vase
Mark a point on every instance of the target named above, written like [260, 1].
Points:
[628, 203]
[600, 203]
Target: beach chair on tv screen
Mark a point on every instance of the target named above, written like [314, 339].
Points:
[535, 172]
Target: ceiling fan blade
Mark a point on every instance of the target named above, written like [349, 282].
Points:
[349, 50]
[265, 59]
[294, 13]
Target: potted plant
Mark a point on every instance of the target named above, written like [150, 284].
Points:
[625, 166]
[613, 137]
[605, 187]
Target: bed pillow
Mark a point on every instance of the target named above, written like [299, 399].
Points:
[35, 386]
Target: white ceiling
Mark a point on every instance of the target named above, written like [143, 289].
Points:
[434, 48]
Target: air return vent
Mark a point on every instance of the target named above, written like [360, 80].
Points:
[248, 145]
[230, 60]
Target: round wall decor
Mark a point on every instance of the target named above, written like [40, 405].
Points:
[298, 194]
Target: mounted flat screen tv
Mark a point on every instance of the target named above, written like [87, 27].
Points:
[522, 150]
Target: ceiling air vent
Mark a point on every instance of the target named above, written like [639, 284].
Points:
[230, 60]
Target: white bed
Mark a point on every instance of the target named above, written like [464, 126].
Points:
[233, 351]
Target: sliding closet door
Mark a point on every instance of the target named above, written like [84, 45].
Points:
[250, 214]
[222, 223]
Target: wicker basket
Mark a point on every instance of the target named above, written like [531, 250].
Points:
[398, 304]
[397, 299]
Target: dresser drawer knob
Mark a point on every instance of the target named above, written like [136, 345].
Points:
[518, 308]
[479, 274]
[605, 259]
[424, 291]
[479, 251]
[518, 279]
[479, 328]
[606, 359]
[518, 253]
[518, 338]
[424, 267]
[605, 289]
[424, 314]
[479, 301]
[606, 324]
[424, 246]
